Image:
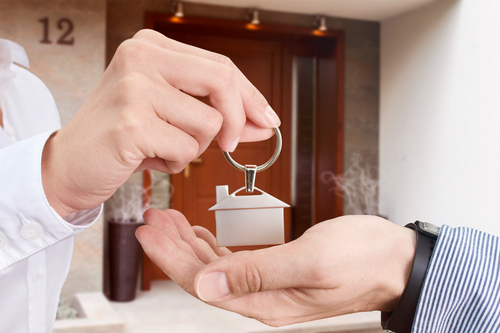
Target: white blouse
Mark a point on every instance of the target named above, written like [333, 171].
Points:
[36, 244]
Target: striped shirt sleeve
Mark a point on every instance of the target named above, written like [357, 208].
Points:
[461, 290]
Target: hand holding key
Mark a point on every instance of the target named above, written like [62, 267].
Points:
[143, 115]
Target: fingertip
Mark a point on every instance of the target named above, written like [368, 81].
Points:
[146, 215]
[234, 144]
[175, 214]
[228, 145]
[139, 233]
[271, 117]
[253, 133]
[142, 233]
[151, 214]
[212, 286]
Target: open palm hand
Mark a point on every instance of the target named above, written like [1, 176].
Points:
[344, 265]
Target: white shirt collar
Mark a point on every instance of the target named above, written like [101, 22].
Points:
[11, 52]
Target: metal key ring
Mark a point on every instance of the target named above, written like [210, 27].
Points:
[266, 165]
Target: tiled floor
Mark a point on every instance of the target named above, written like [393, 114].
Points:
[167, 308]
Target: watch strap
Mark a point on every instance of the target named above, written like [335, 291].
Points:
[401, 320]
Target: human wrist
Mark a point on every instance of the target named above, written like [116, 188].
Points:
[52, 177]
[403, 251]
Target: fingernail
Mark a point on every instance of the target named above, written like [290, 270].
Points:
[272, 117]
[212, 286]
[234, 145]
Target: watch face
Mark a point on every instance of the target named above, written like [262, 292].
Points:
[429, 228]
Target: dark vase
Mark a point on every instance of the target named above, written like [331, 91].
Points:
[124, 259]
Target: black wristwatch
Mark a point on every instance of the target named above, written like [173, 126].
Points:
[401, 320]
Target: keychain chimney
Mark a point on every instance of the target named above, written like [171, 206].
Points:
[221, 192]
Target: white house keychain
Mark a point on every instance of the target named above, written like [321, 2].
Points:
[250, 219]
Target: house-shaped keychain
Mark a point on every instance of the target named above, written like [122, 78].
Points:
[248, 219]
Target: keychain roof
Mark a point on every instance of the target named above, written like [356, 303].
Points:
[226, 201]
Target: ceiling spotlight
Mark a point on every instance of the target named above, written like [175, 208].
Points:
[321, 23]
[254, 17]
[178, 10]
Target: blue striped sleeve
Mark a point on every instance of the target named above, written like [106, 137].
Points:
[461, 291]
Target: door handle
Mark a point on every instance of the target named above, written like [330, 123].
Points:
[186, 169]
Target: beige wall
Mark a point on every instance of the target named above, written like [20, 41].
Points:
[440, 115]
[70, 72]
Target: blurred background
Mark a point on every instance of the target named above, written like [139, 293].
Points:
[388, 107]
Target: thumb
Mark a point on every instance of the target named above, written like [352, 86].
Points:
[248, 272]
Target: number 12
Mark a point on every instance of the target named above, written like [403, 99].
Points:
[64, 39]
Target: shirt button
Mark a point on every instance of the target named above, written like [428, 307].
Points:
[10, 131]
[4, 241]
[38, 274]
[32, 230]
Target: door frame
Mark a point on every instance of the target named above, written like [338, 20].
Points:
[329, 48]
